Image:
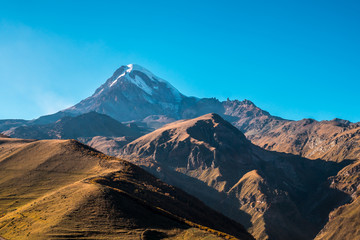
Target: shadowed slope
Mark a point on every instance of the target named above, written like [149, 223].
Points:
[83, 126]
[61, 189]
[344, 221]
[7, 124]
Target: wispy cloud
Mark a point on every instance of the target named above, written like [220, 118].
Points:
[49, 102]
[42, 73]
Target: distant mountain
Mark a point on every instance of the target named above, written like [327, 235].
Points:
[3, 136]
[334, 140]
[87, 125]
[135, 94]
[132, 93]
[274, 195]
[61, 189]
[109, 145]
[11, 123]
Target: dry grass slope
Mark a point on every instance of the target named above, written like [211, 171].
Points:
[61, 189]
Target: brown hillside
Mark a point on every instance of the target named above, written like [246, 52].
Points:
[270, 193]
[87, 125]
[62, 189]
[344, 221]
[334, 140]
[329, 140]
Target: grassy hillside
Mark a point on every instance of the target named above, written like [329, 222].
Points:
[62, 189]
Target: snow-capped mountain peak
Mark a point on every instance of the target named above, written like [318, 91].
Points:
[142, 78]
[132, 92]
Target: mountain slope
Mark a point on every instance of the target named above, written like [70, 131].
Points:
[334, 140]
[83, 126]
[270, 193]
[344, 221]
[132, 93]
[7, 124]
[62, 189]
[108, 145]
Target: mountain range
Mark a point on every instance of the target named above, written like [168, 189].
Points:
[134, 94]
[83, 126]
[281, 179]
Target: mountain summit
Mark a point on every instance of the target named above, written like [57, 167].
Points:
[132, 93]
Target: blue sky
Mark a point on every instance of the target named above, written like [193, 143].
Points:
[295, 59]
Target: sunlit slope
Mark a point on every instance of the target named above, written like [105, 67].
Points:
[61, 189]
[30, 169]
[335, 140]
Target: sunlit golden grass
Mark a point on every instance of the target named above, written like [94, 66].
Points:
[61, 189]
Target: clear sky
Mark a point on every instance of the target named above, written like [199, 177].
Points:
[295, 59]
